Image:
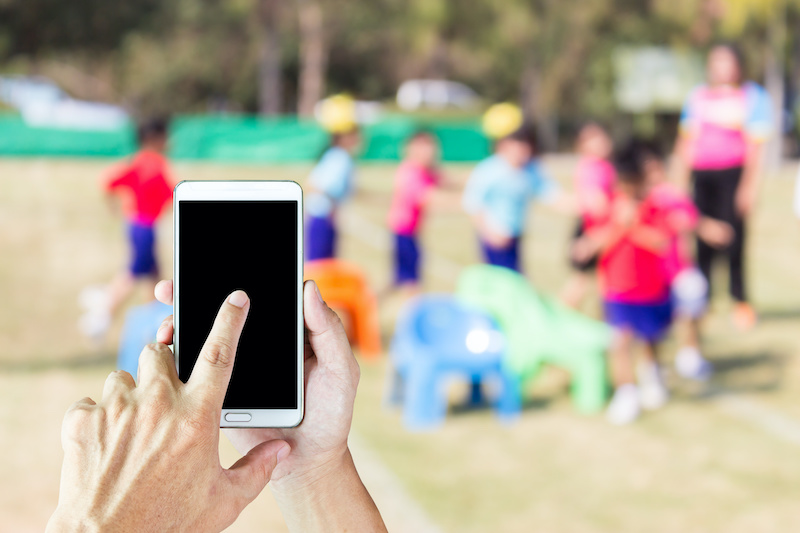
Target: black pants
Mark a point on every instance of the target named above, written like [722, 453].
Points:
[715, 197]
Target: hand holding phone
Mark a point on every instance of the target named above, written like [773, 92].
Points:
[319, 463]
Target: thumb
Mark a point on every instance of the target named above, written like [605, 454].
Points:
[326, 333]
[250, 474]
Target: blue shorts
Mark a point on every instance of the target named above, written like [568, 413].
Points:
[320, 238]
[505, 257]
[143, 250]
[647, 321]
[406, 259]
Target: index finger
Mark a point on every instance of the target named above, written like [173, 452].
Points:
[212, 371]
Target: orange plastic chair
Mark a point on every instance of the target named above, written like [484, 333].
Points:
[344, 286]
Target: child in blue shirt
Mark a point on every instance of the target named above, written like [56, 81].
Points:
[499, 191]
[330, 184]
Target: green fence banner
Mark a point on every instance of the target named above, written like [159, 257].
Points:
[242, 139]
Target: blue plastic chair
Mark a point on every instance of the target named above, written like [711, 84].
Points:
[141, 325]
[438, 337]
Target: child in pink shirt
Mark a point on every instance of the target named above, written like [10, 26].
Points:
[415, 181]
[688, 285]
[594, 185]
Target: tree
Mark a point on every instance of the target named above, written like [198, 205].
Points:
[270, 97]
[313, 56]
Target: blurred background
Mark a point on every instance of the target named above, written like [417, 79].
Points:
[244, 83]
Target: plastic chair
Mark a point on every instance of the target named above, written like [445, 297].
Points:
[344, 286]
[438, 337]
[141, 325]
[540, 330]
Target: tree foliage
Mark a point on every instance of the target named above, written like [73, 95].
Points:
[553, 56]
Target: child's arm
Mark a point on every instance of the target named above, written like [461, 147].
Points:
[488, 234]
[602, 239]
[549, 193]
[116, 179]
[563, 202]
[625, 223]
[649, 237]
[448, 199]
[444, 196]
[715, 233]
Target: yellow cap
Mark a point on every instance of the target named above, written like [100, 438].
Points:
[337, 114]
[502, 120]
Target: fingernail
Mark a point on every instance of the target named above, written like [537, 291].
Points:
[319, 295]
[238, 298]
[283, 453]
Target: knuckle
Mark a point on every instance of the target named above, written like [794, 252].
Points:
[159, 391]
[148, 354]
[116, 407]
[76, 424]
[154, 355]
[121, 376]
[218, 353]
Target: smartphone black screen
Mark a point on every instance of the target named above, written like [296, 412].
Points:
[252, 246]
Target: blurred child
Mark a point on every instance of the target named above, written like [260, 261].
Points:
[594, 184]
[633, 241]
[689, 287]
[499, 191]
[143, 186]
[330, 184]
[414, 187]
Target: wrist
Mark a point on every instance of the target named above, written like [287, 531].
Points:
[66, 522]
[306, 478]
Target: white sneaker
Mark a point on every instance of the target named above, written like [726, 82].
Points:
[624, 406]
[691, 364]
[94, 298]
[94, 325]
[653, 393]
[96, 321]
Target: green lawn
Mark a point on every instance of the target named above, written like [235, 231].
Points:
[703, 464]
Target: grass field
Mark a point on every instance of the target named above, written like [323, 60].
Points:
[723, 457]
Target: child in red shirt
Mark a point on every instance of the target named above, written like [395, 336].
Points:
[144, 187]
[633, 241]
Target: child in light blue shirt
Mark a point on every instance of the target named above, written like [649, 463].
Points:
[328, 186]
[498, 194]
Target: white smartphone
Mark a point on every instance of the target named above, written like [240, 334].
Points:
[244, 235]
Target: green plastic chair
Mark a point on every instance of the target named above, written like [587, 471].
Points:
[540, 331]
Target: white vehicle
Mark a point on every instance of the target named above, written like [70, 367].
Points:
[44, 104]
[435, 94]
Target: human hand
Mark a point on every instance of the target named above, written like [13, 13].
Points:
[624, 212]
[715, 233]
[146, 457]
[319, 443]
[745, 199]
[584, 249]
[494, 238]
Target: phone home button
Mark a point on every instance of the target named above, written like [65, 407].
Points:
[238, 417]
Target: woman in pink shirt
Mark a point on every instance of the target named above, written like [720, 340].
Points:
[723, 128]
